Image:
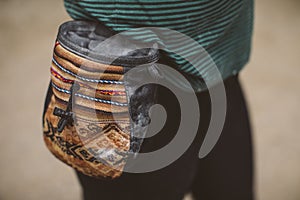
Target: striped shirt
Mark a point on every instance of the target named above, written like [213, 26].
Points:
[222, 27]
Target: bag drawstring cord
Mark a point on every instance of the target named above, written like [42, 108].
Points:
[66, 116]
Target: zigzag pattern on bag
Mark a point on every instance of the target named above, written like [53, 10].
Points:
[95, 128]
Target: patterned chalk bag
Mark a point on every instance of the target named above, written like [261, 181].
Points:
[92, 114]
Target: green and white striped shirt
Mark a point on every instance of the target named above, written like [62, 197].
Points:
[222, 27]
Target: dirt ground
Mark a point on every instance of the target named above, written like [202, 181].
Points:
[271, 81]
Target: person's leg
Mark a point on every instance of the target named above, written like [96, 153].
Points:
[227, 172]
[169, 183]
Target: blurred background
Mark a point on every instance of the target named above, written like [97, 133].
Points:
[271, 80]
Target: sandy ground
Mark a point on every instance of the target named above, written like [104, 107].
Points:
[271, 81]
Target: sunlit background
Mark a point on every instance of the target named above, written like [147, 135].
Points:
[27, 33]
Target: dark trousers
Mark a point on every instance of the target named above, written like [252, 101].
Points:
[225, 174]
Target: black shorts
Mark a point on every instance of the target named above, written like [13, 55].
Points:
[225, 174]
